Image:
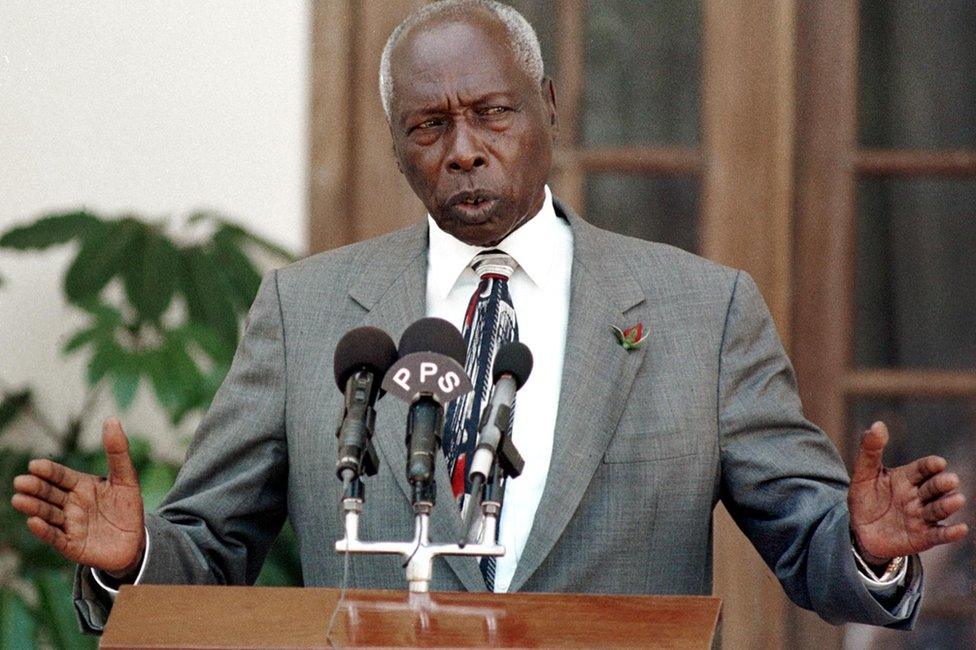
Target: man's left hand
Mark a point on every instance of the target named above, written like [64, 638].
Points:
[899, 511]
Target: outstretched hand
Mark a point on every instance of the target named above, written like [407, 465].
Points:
[91, 520]
[899, 511]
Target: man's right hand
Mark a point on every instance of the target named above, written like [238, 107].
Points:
[88, 519]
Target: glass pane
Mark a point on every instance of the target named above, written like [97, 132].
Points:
[919, 428]
[915, 288]
[653, 208]
[918, 74]
[642, 72]
[541, 14]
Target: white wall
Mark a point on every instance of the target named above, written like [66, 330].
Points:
[157, 108]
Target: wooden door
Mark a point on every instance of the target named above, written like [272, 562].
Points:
[885, 224]
[747, 132]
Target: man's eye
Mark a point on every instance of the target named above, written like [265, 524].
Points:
[430, 124]
[495, 110]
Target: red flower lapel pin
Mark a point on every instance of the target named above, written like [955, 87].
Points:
[631, 338]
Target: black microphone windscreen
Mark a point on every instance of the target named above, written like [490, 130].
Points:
[364, 348]
[433, 335]
[513, 359]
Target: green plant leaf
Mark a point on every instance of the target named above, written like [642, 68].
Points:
[140, 450]
[57, 608]
[51, 230]
[100, 330]
[102, 256]
[125, 384]
[273, 574]
[206, 294]
[286, 560]
[165, 386]
[175, 377]
[238, 271]
[107, 357]
[213, 379]
[186, 372]
[155, 482]
[264, 244]
[151, 274]
[17, 626]
[178, 358]
[239, 233]
[208, 341]
[93, 461]
[81, 338]
[12, 405]
[106, 315]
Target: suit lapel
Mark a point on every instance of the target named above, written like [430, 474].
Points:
[394, 293]
[597, 377]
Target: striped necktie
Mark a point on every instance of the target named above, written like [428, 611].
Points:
[489, 322]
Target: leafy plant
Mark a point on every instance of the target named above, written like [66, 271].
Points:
[174, 318]
[160, 311]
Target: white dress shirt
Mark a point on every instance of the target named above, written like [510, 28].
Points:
[543, 248]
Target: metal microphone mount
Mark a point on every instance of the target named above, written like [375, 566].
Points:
[419, 553]
[417, 377]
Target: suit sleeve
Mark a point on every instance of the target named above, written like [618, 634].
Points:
[782, 479]
[229, 501]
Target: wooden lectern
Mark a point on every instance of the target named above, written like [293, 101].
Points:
[163, 616]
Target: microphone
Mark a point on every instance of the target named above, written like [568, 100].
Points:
[362, 357]
[438, 350]
[513, 364]
[433, 335]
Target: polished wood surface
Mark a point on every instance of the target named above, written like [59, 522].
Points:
[166, 616]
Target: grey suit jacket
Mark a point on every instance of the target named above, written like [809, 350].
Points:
[646, 441]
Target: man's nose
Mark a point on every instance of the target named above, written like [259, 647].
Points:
[466, 152]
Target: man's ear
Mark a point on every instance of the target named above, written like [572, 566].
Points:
[548, 92]
[549, 96]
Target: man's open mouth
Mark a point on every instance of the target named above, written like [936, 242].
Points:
[473, 205]
[474, 197]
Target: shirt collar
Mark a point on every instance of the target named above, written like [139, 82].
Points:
[531, 245]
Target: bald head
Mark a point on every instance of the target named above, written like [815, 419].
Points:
[518, 34]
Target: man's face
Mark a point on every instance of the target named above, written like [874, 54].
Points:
[472, 132]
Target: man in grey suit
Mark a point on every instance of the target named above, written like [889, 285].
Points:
[645, 441]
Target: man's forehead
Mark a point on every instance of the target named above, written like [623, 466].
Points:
[454, 57]
[472, 43]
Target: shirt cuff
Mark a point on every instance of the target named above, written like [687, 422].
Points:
[102, 581]
[885, 585]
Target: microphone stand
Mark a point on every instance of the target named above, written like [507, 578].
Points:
[419, 553]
